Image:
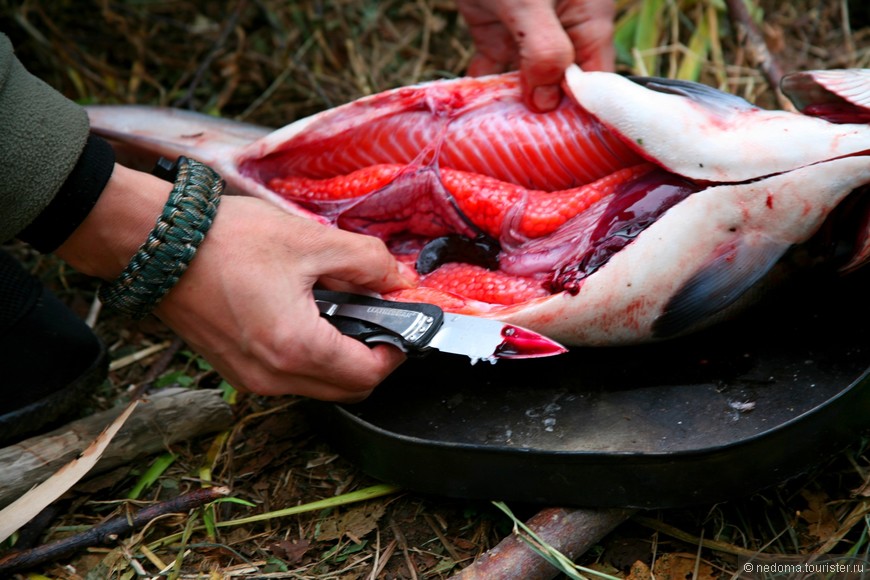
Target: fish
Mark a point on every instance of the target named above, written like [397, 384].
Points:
[639, 210]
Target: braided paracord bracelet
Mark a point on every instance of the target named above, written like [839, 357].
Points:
[171, 245]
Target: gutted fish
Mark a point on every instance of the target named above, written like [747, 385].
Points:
[639, 209]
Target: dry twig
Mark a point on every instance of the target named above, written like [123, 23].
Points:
[109, 530]
[769, 65]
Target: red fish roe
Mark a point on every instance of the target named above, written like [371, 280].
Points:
[484, 285]
[485, 201]
[489, 202]
[355, 184]
[446, 300]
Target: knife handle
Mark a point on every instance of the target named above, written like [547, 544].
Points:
[408, 325]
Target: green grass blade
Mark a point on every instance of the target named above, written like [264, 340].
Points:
[625, 30]
[647, 36]
[697, 50]
[347, 498]
[158, 467]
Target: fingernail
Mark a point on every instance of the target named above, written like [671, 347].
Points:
[546, 98]
[408, 276]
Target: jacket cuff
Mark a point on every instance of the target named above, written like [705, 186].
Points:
[75, 200]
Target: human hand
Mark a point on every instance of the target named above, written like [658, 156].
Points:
[246, 305]
[541, 38]
[245, 302]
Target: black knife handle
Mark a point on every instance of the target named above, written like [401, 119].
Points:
[407, 325]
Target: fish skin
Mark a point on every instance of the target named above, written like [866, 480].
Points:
[749, 142]
[767, 180]
[622, 302]
[143, 133]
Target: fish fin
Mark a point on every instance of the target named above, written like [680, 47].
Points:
[704, 95]
[718, 286]
[840, 96]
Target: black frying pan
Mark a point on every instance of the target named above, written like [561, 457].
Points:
[701, 419]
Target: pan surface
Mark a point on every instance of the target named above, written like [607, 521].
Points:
[713, 416]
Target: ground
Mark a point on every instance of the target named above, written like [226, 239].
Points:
[271, 62]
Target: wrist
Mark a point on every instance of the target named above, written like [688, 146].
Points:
[118, 224]
[171, 245]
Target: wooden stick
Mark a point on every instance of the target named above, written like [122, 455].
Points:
[571, 532]
[28, 506]
[753, 37]
[109, 530]
[162, 419]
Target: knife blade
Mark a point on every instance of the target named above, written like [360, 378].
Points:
[419, 328]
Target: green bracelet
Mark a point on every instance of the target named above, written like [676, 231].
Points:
[172, 244]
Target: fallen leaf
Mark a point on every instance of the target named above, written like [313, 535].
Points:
[290, 551]
[356, 522]
[680, 565]
[821, 522]
[639, 571]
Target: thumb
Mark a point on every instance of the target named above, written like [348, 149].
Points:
[545, 51]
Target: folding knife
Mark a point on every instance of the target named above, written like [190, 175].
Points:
[418, 328]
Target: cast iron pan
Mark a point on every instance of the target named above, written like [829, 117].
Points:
[714, 416]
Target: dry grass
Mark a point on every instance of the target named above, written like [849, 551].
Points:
[273, 61]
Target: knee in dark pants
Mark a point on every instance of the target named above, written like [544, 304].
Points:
[50, 360]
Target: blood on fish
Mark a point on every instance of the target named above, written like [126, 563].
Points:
[640, 203]
[520, 343]
[838, 112]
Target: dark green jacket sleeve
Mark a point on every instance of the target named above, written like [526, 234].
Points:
[42, 136]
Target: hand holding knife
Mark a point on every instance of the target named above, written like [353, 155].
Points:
[417, 328]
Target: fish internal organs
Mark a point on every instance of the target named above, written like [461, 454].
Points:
[421, 163]
[487, 201]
